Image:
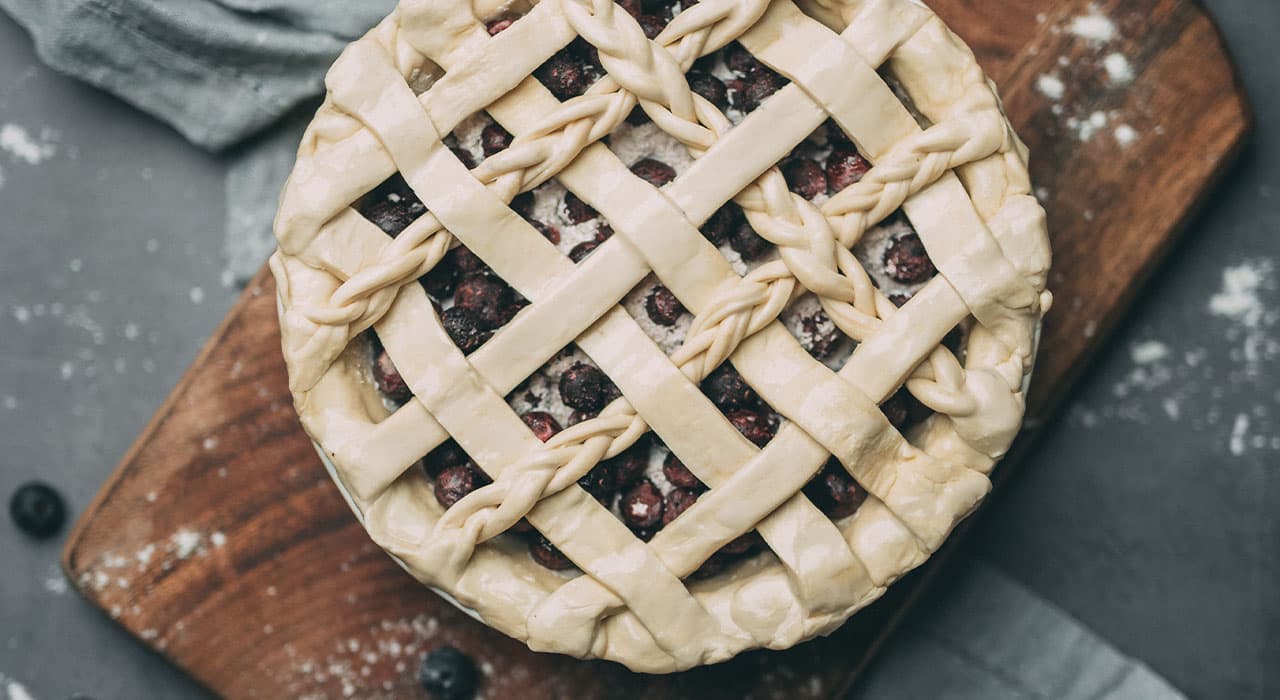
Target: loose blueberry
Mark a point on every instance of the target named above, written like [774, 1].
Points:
[448, 674]
[38, 510]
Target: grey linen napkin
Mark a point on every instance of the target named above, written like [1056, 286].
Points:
[241, 75]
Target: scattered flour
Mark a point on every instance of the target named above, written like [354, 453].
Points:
[13, 690]
[1094, 27]
[1086, 128]
[1147, 352]
[1051, 86]
[1126, 135]
[197, 295]
[185, 542]
[54, 581]
[1238, 300]
[1119, 70]
[1186, 386]
[22, 146]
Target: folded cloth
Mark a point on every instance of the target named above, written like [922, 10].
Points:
[218, 71]
[982, 635]
[244, 73]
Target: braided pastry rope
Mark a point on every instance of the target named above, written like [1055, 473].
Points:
[338, 276]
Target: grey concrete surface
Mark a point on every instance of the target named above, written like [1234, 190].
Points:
[1147, 512]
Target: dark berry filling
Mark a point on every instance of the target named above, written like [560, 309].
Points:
[722, 223]
[805, 177]
[819, 334]
[677, 502]
[757, 86]
[906, 261]
[728, 390]
[710, 88]
[494, 139]
[584, 387]
[601, 482]
[654, 172]
[547, 555]
[641, 505]
[578, 211]
[834, 492]
[569, 72]
[465, 329]
[678, 474]
[662, 306]
[746, 242]
[756, 426]
[453, 483]
[487, 298]
[904, 410]
[579, 252]
[388, 379]
[391, 206]
[845, 167]
[543, 424]
[629, 466]
[441, 280]
[652, 25]
[449, 454]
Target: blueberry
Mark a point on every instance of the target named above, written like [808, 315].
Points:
[448, 674]
[38, 509]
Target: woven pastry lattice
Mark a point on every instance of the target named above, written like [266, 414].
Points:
[961, 179]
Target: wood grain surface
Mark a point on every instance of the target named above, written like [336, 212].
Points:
[221, 542]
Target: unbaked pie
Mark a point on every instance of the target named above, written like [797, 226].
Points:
[655, 331]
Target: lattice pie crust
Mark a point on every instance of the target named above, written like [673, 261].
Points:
[947, 158]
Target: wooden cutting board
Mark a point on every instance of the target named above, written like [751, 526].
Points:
[222, 544]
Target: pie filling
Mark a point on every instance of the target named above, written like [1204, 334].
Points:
[646, 486]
